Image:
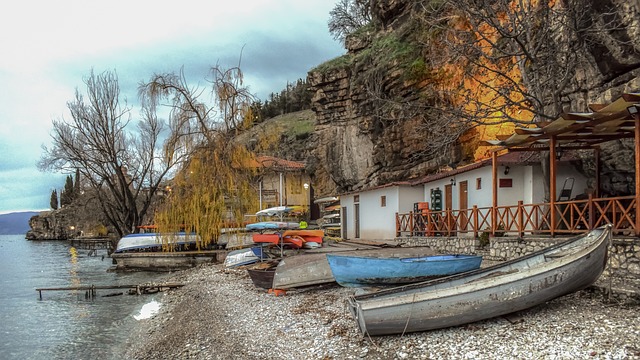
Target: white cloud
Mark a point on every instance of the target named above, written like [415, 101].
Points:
[49, 46]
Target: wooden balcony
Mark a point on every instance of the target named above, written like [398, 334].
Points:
[571, 217]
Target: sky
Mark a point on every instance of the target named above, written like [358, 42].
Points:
[49, 47]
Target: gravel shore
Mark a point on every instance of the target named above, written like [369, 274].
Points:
[220, 314]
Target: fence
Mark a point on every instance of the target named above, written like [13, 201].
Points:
[571, 217]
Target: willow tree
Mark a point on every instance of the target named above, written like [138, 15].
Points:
[214, 189]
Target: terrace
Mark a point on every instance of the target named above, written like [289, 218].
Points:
[571, 131]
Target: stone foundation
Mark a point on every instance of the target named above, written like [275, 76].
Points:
[624, 253]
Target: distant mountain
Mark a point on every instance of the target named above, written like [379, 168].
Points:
[15, 223]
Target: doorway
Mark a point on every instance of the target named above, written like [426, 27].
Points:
[464, 204]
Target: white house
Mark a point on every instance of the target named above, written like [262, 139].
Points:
[370, 213]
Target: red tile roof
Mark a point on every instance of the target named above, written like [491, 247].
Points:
[278, 164]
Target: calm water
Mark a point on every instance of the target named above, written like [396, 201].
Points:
[63, 325]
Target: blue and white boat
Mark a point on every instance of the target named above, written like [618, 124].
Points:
[353, 270]
[272, 225]
[244, 256]
[143, 242]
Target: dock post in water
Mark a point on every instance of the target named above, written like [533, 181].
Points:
[90, 291]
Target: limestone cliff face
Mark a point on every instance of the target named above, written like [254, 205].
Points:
[356, 149]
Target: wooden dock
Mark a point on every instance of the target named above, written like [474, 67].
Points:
[90, 290]
[93, 244]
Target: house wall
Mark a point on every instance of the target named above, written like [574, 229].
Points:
[346, 215]
[527, 185]
[293, 191]
[378, 221]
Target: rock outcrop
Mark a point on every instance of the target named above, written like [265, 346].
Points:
[357, 149]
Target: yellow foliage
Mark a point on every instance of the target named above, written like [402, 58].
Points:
[211, 193]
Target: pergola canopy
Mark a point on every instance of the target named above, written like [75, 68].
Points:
[572, 131]
[578, 130]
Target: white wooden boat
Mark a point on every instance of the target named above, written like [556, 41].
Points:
[485, 293]
[146, 242]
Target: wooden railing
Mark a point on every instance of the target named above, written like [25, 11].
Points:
[571, 217]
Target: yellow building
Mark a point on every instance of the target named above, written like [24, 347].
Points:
[283, 182]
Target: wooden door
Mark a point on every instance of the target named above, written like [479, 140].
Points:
[356, 219]
[343, 222]
[464, 205]
[448, 206]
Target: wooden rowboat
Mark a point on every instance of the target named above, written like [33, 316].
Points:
[313, 269]
[485, 293]
[355, 270]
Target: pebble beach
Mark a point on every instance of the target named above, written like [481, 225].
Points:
[220, 314]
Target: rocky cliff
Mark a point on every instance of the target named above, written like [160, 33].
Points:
[357, 148]
[82, 218]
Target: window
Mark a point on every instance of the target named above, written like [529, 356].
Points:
[478, 183]
[356, 198]
[506, 183]
[383, 201]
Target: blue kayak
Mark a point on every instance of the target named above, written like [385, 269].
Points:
[272, 225]
[360, 271]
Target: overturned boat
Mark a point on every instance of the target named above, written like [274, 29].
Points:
[152, 241]
[399, 267]
[485, 293]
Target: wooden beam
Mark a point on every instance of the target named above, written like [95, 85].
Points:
[637, 159]
[494, 187]
[552, 184]
[597, 156]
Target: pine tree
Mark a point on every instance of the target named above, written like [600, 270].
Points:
[66, 197]
[76, 185]
[54, 200]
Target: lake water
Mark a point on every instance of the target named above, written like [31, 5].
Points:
[64, 324]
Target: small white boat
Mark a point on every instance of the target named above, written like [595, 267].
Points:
[244, 256]
[153, 241]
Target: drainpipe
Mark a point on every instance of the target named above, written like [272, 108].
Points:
[281, 181]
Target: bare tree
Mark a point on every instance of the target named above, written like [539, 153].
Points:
[513, 62]
[123, 168]
[347, 17]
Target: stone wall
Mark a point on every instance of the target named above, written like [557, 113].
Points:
[624, 253]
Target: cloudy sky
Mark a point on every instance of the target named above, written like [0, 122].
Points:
[48, 47]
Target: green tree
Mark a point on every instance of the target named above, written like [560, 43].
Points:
[53, 202]
[66, 197]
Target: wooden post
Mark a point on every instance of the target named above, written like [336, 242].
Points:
[637, 159]
[552, 185]
[397, 225]
[494, 184]
[590, 209]
[411, 222]
[474, 216]
[520, 216]
[597, 163]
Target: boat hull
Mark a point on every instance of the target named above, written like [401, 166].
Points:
[486, 293]
[155, 241]
[313, 269]
[358, 271]
[165, 261]
[244, 256]
[262, 278]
